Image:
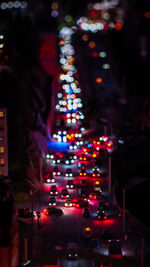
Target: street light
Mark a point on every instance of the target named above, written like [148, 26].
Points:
[109, 123]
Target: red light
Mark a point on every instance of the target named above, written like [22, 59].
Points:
[118, 26]
[105, 217]
[98, 174]
[95, 54]
[45, 210]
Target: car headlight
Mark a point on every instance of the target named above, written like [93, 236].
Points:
[67, 186]
[58, 173]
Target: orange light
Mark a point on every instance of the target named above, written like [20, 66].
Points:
[85, 37]
[98, 143]
[84, 158]
[98, 174]
[94, 142]
[147, 15]
[84, 173]
[97, 182]
[62, 42]
[80, 158]
[94, 155]
[118, 26]
[108, 144]
[84, 150]
[93, 174]
[99, 79]
[72, 135]
[92, 44]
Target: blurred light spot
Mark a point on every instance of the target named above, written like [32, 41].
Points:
[102, 54]
[54, 13]
[92, 44]
[54, 5]
[85, 37]
[99, 79]
[118, 26]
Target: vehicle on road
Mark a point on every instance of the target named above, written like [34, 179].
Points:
[68, 203]
[64, 193]
[101, 216]
[69, 172]
[52, 211]
[52, 201]
[87, 232]
[53, 190]
[70, 184]
[72, 251]
[56, 171]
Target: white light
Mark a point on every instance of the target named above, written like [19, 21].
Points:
[59, 95]
[59, 139]
[57, 106]
[24, 4]
[4, 5]
[10, 5]
[59, 132]
[1, 36]
[68, 120]
[73, 120]
[64, 139]
[17, 4]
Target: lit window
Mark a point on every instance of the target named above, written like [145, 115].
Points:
[1, 149]
[1, 114]
[2, 161]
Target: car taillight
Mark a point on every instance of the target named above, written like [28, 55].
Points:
[45, 210]
[93, 174]
[84, 158]
[84, 173]
[105, 217]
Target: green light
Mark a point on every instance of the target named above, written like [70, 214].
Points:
[106, 66]
[102, 54]
[60, 27]
[69, 19]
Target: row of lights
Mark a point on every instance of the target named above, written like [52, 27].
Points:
[15, 4]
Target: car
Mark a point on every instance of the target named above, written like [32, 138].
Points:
[52, 201]
[101, 216]
[114, 249]
[87, 232]
[107, 234]
[83, 183]
[86, 212]
[64, 193]
[83, 172]
[95, 155]
[95, 243]
[96, 172]
[97, 186]
[68, 160]
[72, 251]
[70, 184]
[69, 172]
[53, 190]
[57, 159]
[68, 203]
[83, 157]
[48, 178]
[56, 171]
[81, 203]
[52, 211]
[103, 206]
[73, 146]
[83, 192]
[95, 195]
